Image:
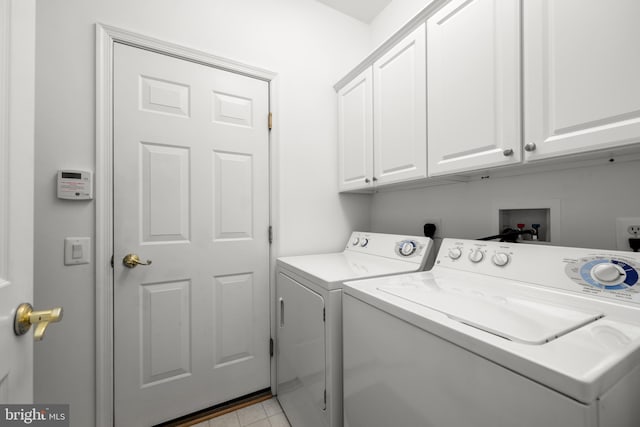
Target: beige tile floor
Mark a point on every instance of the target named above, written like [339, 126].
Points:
[263, 414]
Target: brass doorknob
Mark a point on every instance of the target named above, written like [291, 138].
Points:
[132, 260]
[25, 317]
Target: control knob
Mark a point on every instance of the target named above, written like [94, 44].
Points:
[364, 242]
[476, 256]
[455, 253]
[355, 241]
[407, 247]
[500, 259]
[608, 273]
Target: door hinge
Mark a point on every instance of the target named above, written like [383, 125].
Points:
[325, 397]
[270, 120]
[270, 234]
[111, 261]
[324, 314]
[271, 347]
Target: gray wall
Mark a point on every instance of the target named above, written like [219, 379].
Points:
[589, 199]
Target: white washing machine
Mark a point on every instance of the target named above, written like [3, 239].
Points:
[496, 335]
[309, 319]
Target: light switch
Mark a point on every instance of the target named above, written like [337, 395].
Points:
[76, 250]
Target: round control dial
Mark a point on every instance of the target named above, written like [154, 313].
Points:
[364, 242]
[500, 259]
[408, 247]
[608, 273]
[455, 253]
[355, 241]
[476, 255]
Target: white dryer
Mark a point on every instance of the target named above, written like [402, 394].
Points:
[309, 319]
[496, 335]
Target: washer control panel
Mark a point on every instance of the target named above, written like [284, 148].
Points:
[601, 273]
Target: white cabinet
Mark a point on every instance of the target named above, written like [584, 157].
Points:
[473, 86]
[399, 111]
[499, 83]
[382, 119]
[355, 133]
[581, 76]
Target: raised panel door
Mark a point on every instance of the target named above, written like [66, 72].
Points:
[581, 68]
[473, 81]
[355, 133]
[399, 112]
[191, 193]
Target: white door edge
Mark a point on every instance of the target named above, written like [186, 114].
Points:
[17, 103]
[106, 36]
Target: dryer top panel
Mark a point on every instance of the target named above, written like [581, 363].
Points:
[366, 255]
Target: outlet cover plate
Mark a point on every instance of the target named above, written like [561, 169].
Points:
[622, 232]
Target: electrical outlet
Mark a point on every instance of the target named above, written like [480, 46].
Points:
[633, 230]
[626, 228]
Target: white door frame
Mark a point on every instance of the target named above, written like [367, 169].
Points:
[106, 36]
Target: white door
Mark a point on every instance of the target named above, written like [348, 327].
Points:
[355, 133]
[473, 81]
[581, 68]
[17, 47]
[400, 111]
[191, 194]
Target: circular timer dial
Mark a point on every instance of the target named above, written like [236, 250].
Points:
[408, 247]
[607, 273]
[364, 242]
[355, 241]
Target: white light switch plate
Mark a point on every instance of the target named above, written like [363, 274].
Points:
[622, 232]
[77, 250]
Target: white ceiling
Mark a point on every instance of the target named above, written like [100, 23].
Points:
[363, 10]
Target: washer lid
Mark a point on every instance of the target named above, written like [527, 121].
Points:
[517, 319]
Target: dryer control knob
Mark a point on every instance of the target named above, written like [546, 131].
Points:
[364, 242]
[455, 253]
[500, 259]
[608, 273]
[407, 247]
[355, 241]
[476, 256]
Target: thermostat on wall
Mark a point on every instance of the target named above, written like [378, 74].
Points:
[75, 185]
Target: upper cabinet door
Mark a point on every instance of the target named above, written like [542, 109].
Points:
[473, 63]
[355, 133]
[582, 76]
[400, 128]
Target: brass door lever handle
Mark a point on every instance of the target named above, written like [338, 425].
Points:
[25, 317]
[132, 260]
